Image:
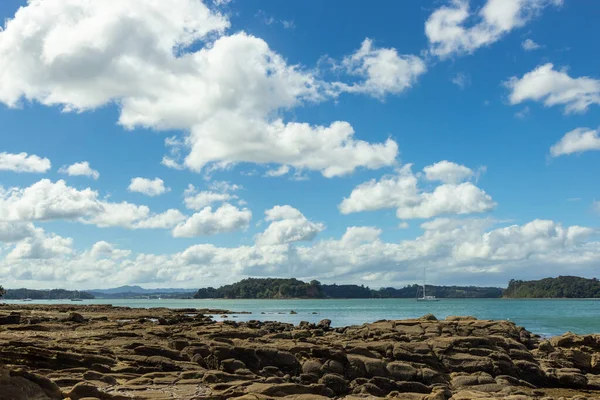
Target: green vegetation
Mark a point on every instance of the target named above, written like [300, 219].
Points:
[54, 294]
[561, 287]
[267, 288]
[2, 291]
[275, 288]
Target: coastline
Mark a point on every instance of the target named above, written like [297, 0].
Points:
[117, 353]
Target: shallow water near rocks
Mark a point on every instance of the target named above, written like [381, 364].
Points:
[546, 317]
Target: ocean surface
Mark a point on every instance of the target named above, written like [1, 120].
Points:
[546, 317]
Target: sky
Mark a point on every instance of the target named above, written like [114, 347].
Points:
[192, 144]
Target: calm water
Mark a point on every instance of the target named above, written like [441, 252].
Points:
[544, 317]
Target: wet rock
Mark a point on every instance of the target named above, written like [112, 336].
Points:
[13, 318]
[324, 324]
[75, 317]
[336, 383]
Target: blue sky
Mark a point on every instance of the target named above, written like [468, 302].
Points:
[337, 99]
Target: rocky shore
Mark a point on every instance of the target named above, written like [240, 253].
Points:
[118, 353]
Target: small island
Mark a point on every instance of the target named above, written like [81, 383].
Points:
[569, 287]
[277, 288]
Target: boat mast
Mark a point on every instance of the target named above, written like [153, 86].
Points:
[424, 280]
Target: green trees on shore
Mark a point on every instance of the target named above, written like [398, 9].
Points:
[276, 288]
[561, 287]
[2, 291]
[54, 294]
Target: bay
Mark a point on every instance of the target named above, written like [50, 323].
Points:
[545, 317]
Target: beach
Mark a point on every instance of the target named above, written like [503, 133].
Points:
[105, 352]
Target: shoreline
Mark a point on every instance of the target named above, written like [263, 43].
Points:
[118, 353]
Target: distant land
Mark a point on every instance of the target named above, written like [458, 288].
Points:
[276, 288]
[570, 287]
[290, 288]
[125, 292]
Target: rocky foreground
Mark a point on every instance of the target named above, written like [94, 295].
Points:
[114, 353]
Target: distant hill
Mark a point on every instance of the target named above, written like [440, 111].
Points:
[561, 287]
[53, 294]
[277, 288]
[138, 291]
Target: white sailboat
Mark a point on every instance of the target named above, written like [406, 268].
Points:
[425, 297]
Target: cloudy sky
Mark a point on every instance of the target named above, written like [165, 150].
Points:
[187, 144]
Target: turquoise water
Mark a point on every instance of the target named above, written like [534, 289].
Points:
[541, 316]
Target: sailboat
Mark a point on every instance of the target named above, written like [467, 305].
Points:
[425, 297]
[76, 297]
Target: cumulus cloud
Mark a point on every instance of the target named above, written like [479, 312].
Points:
[287, 225]
[401, 191]
[384, 70]
[11, 232]
[197, 200]
[576, 141]
[530, 45]
[36, 244]
[226, 218]
[452, 250]
[23, 162]
[225, 96]
[149, 187]
[455, 29]
[552, 88]
[447, 172]
[80, 169]
[46, 200]
[103, 249]
[461, 80]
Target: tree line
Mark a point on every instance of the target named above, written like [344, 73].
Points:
[561, 287]
[282, 288]
[53, 294]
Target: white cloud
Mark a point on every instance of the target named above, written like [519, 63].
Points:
[149, 187]
[11, 232]
[461, 79]
[384, 70]
[455, 251]
[22, 162]
[576, 141]
[197, 200]
[104, 249]
[80, 169]
[552, 87]
[402, 192]
[282, 170]
[403, 225]
[226, 218]
[287, 225]
[46, 200]
[448, 172]
[529, 45]
[39, 245]
[226, 95]
[454, 29]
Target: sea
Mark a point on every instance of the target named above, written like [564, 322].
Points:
[545, 317]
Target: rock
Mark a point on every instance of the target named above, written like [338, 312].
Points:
[10, 319]
[75, 317]
[231, 365]
[312, 367]
[50, 389]
[428, 317]
[293, 312]
[336, 383]
[324, 324]
[401, 371]
[84, 389]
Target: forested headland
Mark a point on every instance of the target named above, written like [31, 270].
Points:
[561, 287]
[278, 288]
[53, 294]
